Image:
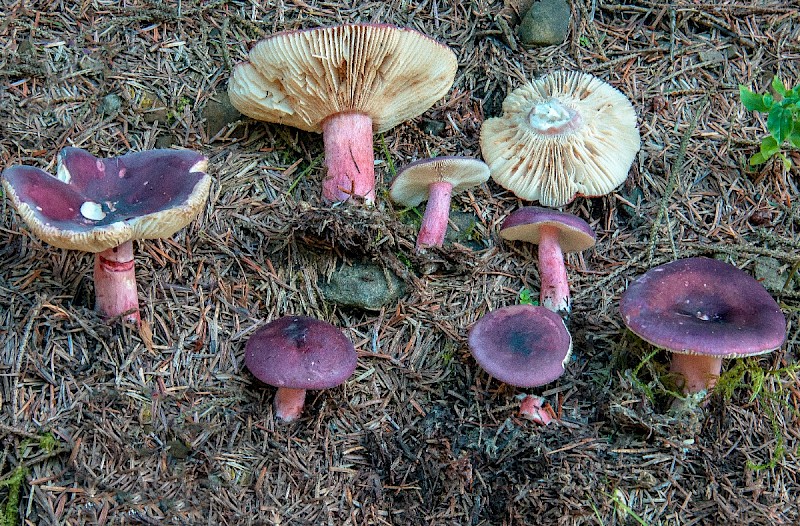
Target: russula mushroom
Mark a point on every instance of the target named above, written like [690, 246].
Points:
[524, 346]
[346, 82]
[101, 205]
[560, 136]
[702, 310]
[436, 180]
[556, 233]
[296, 353]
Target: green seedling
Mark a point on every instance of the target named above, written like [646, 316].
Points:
[783, 120]
[525, 297]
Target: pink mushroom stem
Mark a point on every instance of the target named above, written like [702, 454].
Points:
[115, 283]
[437, 212]
[698, 373]
[349, 159]
[533, 408]
[289, 403]
[555, 287]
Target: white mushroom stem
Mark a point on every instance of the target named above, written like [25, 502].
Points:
[698, 373]
[437, 212]
[115, 283]
[289, 403]
[349, 159]
[554, 118]
[555, 288]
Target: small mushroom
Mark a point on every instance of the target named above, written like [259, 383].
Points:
[560, 136]
[346, 82]
[101, 205]
[296, 353]
[524, 346]
[556, 233]
[435, 180]
[702, 310]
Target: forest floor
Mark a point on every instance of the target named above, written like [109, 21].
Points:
[106, 424]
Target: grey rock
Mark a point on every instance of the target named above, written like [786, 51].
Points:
[110, 104]
[546, 23]
[772, 274]
[219, 112]
[365, 286]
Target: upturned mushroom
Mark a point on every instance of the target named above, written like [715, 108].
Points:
[560, 136]
[101, 205]
[346, 82]
[556, 233]
[436, 180]
[297, 353]
[524, 346]
[702, 310]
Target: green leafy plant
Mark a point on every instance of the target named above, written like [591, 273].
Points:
[525, 297]
[783, 120]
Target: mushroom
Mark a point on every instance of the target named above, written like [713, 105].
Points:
[524, 346]
[702, 310]
[556, 233]
[563, 135]
[435, 180]
[101, 205]
[296, 353]
[346, 82]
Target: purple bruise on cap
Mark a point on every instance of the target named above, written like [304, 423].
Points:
[535, 216]
[114, 189]
[299, 352]
[703, 306]
[521, 345]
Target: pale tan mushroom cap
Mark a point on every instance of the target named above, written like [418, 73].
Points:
[156, 225]
[299, 78]
[591, 158]
[410, 186]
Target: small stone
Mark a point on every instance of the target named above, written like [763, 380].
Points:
[110, 104]
[432, 127]
[773, 275]
[545, 24]
[365, 286]
[178, 449]
[219, 112]
[165, 141]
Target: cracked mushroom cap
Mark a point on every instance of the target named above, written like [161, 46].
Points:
[95, 204]
[521, 345]
[563, 135]
[299, 352]
[410, 186]
[299, 78]
[525, 224]
[703, 306]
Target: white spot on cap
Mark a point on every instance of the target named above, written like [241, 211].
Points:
[92, 210]
[62, 174]
[100, 165]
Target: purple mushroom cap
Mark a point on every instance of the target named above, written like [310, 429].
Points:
[703, 306]
[524, 224]
[93, 204]
[521, 345]
[299, 352]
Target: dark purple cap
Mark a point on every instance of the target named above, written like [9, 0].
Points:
[299, 352]
[521, 345]
[703, 306]
[93, 204]
[524, 224]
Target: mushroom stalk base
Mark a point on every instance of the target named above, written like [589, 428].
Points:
[115, 283]
[289, 403]
[533, 408]
[698, 373]
[349, 159]
[437, 212]
[555, 287]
